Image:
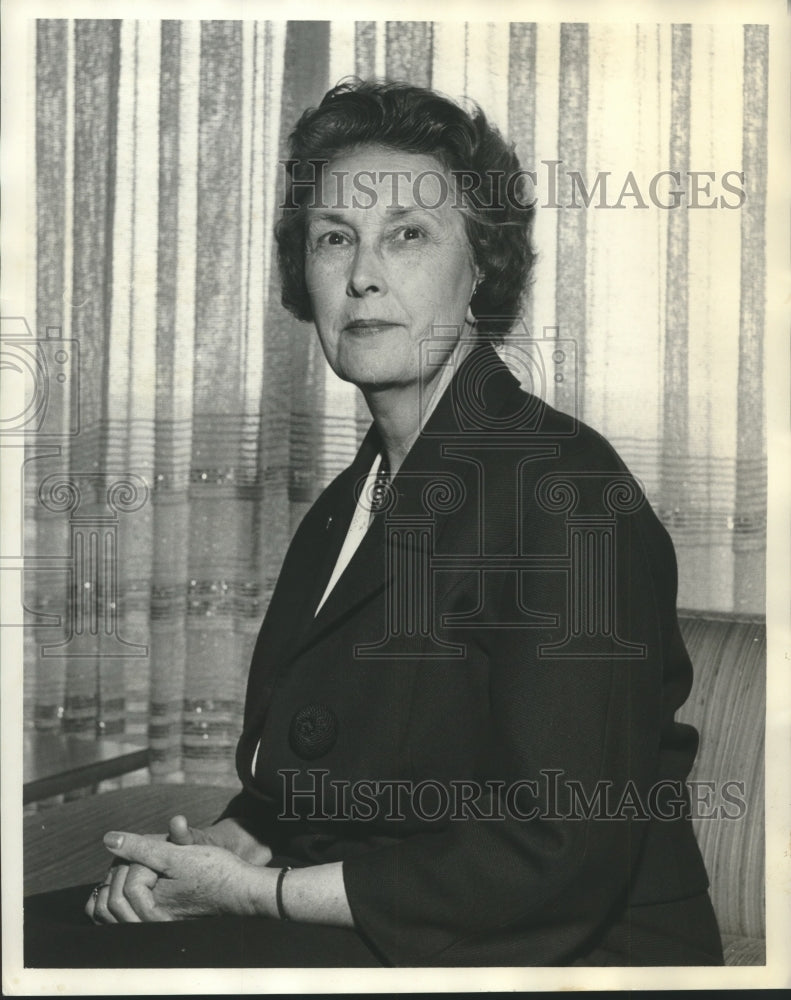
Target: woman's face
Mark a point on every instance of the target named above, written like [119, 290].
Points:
[387, 262]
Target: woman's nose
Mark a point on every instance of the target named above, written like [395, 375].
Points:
[367, 275]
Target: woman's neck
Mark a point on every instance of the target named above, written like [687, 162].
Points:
[400, 412]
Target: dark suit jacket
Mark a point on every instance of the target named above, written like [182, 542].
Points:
[510, 619]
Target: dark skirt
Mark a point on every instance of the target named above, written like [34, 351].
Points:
[57, 934]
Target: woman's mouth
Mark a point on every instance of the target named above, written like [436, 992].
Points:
[363, 326]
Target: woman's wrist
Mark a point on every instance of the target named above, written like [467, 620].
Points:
[313, 894]
[263, 892]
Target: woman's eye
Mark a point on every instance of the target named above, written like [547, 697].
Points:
[407, 234]
[335, 238]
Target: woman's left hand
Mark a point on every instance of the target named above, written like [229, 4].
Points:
[194, 880]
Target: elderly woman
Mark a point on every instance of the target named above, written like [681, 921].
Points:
[458, 745]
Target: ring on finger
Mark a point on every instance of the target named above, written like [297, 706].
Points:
[98, 888]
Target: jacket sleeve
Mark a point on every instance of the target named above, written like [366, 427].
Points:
[596, 721]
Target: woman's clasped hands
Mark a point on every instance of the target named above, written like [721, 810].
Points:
[186, 873]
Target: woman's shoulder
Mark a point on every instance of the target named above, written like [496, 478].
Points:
[491, 401]
[567, 440]
[570, 467]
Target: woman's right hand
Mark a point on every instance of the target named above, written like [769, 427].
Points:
[116, 900]
[228, 833]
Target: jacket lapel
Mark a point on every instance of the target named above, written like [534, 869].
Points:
[428, 462]
[336, 514]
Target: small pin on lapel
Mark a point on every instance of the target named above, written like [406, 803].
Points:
[329, 522]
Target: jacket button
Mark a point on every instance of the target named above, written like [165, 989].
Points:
[313, 732]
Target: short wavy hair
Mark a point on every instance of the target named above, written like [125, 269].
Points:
[412, 119]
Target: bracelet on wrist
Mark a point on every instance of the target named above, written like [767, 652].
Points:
[281, 910]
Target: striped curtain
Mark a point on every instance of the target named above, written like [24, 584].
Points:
[207, 418]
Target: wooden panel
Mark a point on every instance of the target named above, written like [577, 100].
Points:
[63, 846]
[54, 763]
[727, 705]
